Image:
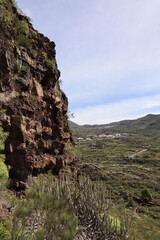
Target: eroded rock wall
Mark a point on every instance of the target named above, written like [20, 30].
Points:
[33, 107]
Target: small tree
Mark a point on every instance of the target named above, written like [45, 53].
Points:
[146, 196]
[130, 203]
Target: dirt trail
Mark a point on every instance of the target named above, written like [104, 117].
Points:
[138, 153]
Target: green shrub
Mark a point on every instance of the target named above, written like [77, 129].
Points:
[130, 203]
[46, 209]
[6, 14]
[146, 196]
[3, 137]
[44, 55]
[124, 194]
[56, 151]
[33, 32]
[51, 64]
[3, 174]
[5, 17]
[22, 27]
[4, 233]
[72, 151]
[3, 168]
[40, 234]
[22, 40]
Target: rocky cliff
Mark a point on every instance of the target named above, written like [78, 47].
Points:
[33, 107]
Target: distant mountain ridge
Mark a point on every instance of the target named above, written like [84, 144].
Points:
[148, 123]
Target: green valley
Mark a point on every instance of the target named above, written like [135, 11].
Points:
[129, 166]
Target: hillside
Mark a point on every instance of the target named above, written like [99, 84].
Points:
[73, 124]
[149, 123]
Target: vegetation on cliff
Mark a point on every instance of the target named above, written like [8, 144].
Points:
[20, 27]
[3, 168]
[35, 107]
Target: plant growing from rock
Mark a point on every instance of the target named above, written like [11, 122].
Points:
[56, 151]
[51, 64]
[3, 168]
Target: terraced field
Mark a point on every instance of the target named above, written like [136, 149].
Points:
[130, 167]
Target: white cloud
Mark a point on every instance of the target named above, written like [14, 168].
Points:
[118, 51]
[117, 111]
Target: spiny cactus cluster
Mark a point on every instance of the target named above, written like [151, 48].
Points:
[59, 208]
[91, 204]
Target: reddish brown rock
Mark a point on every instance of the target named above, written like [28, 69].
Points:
[35, 108]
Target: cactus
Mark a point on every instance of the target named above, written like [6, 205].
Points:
[91, 204]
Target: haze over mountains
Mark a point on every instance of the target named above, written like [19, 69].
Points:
[148, 123]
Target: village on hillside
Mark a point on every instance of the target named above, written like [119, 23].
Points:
[100, 137]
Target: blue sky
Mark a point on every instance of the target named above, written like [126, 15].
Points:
[108, 52]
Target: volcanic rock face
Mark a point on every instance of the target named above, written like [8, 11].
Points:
[33, 107]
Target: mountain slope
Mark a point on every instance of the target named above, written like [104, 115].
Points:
[73, 124]
[148, 123]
